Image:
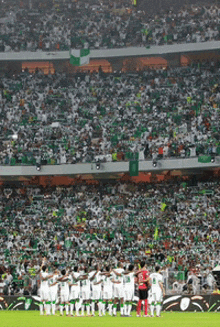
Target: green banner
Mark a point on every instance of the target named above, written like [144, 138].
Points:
[133, 168]
[204, 159]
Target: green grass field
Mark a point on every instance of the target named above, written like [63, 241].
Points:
[169, 319]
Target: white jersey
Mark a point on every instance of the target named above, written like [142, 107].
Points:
[96, 279]
[128, 280]
[85, 287]
[64, 285]
[156, 279]
[107, 281]
[75, 288]
[74, 281]
[44, 283]
[118, 278]
[107, 287]
[44, 287]
[86, 283]
[51, 281]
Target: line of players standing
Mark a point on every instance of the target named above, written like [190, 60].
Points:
[82, 290]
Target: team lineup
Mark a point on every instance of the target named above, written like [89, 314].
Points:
[80, 291]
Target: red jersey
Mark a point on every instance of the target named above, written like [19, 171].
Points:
[142, 276]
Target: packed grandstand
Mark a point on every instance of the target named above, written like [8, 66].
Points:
[65, 119]
[170, 224]
[83, 116]
[57, 25]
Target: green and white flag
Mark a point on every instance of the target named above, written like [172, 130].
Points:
[204, 159]
[79, 57]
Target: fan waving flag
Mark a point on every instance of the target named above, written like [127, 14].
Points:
[79, 57]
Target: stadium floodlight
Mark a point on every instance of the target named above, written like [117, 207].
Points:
[38, 167]
[154, 163]
[212, 159]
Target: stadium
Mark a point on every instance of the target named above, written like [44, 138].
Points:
[109, 162]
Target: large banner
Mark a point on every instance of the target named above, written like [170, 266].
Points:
[191, 303]
[182, 303]
[19, 302]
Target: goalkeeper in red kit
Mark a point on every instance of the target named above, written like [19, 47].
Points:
[143, 282]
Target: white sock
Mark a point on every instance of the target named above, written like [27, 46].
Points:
[61, 309]
[100, 305]
[71, 308]
[122, 310]
[110, 308]
[41, 309]
[114, 310]
[82, 309]
[152, 310]
[77, 306]
[88, 309]
[93, 307]
[48, 308]
[53, 305]
[103, 307]
[158, 306]
[125, 309]
[129, 309]
[67, 309]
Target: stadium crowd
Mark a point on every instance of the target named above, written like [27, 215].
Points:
[59, 25]
[172, 224]
[62, 118]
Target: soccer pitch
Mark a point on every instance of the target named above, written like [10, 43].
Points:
[169, 319]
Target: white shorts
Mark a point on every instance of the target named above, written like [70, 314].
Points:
[74, 293]
[64, 296]
[118, 291]
[107, 293]
[128, 294]
[155, 296]
[44, 294]
[96, 293]
[53, 294]
[85, 293]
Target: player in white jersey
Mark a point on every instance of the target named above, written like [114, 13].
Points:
[128, 280]
[107, 293]
[156, 292]
[64, 292]
[74, 291]
[44, 290]
[53, 290]
[85, 290]
[96, 281]
[118, 289]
